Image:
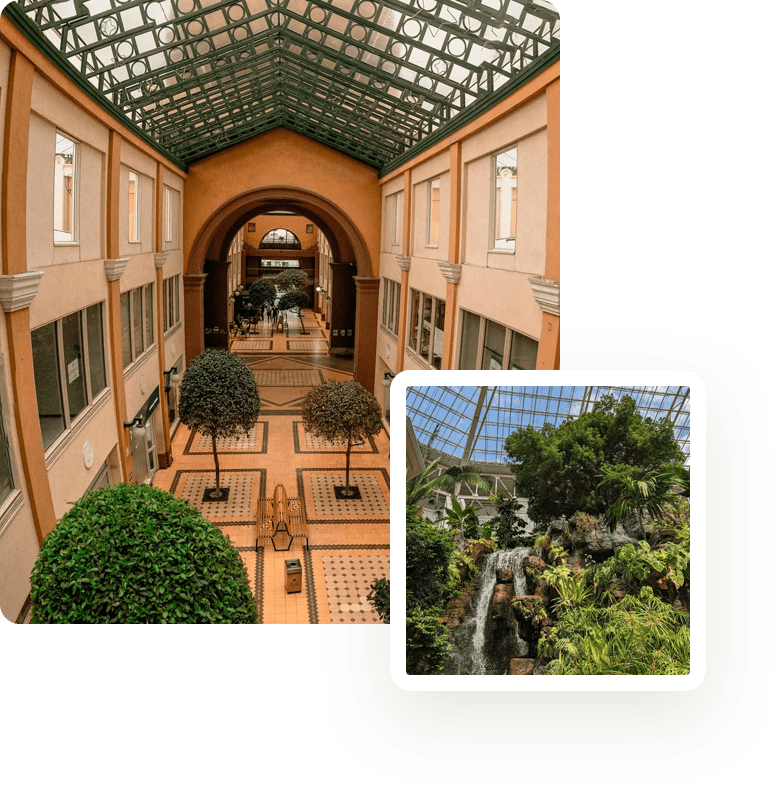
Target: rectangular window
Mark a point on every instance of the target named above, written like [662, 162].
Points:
[171, 302]
[68, 357]
[167, 214]
[6, 475]
[433, 212]
[137, 333]
[134, 207]
[505, 198]
[428, 315]
[489, 345]
[65, 189]
[391, 305]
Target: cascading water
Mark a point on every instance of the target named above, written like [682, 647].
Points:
[468, 654]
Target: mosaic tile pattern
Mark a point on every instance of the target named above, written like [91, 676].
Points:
[321, 503]
[308, 346]
[254, 442]
[268, 378]
[348, 578]
[307, 443]
[283, 398]
[251, 345]
[240, 503]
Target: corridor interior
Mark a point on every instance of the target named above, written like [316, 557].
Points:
[348, 545]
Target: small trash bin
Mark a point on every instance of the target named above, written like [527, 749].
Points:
[292, 575]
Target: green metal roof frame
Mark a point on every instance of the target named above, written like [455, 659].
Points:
[378, 80]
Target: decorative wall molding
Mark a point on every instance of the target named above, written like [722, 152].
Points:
[404, 263]
[160, 259]
[18, 290]
[451, 272]
[546, 294]
[114, 268]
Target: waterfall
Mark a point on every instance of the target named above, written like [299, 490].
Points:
[468, 654]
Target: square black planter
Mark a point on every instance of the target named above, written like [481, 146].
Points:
[209, 498]
[354, 492]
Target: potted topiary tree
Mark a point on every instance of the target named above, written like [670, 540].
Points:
[134, 554]
[339, 410]
[293, 280]
[219, 398]
[262, 293]
[294, 301]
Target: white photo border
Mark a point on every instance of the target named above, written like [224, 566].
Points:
[442, 682]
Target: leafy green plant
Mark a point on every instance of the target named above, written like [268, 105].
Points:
[423, 485]
[293, 301]
[134, 554]
[532, 609]
[219, 398]
[292, 280]
[427, 641]
[262, 293]
[557, 467]
[506, 525]
[379, 598]
[429, 553]
[571, 587]
[342, 410]
[460, 518]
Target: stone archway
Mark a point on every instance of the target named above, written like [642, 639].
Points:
[209, 253]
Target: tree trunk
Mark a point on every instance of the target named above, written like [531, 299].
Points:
[346, 482]
[217, 468]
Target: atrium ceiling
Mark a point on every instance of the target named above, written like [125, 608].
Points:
[374, 79]
[470, 424]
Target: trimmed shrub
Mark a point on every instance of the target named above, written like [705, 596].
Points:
[130, 553]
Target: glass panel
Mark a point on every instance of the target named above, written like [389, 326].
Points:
[75, 373]
[137, 322]
[440, 316]
[385, 303]
[396, 314]
[434, 212]
[134, 207]
[523, 352]
[6, 477]
[469, 350]
[427, 313]
[168, 214]
[414, 334]
[126, 329]
[64, 189]
[95, 333]
[45, 359]
[505, 200]
[494, 343]
[166, 300]
[148, 305]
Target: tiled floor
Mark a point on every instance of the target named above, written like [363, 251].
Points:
[348, 539]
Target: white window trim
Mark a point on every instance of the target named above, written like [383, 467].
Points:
[493, 206]
[76, 190]
[429, 225]
[138, 207]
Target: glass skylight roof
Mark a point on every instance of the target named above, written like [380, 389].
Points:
[471, 423]
[369, 78]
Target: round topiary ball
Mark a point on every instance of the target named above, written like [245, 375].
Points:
[131, 553]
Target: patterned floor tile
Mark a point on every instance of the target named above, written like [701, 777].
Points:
[241, 499]
[254, 442]
[307, 443]
[348, 577]
[321, 503]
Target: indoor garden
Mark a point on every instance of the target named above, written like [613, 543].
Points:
[548, 531]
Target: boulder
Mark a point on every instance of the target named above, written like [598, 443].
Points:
[504, 576]
[532, 566]
[502, 611]
[585, 534]
[521, 666]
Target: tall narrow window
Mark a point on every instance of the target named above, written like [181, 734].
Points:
[505, 201]
[414, 330]
[45, 360]
[433, 212]
[65, 184]
[437, 349]
[470, 330]
[126, 328]
[427, 325]
[134, 207]
[137, 345]
[74, 367]
[167, 214]
[523, 352]
[6, 475]
[148, 306]
[96, 343]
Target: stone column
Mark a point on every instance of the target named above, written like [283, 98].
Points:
[366, 330]
[17, 291]
[452, 274]
[193, 299]
[165, 450]
[114, 269]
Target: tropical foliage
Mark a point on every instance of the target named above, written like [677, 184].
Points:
[461, 519]
[134, 554]
[379, 598]
[558, 468]
[219, 398]
[449, 480]
[344, 411]
[507, 527]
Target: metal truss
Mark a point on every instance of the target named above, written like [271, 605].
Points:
[371, 78]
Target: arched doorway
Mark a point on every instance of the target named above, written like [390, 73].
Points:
[355, 289]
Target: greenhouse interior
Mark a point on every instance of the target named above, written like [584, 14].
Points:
[548, 530]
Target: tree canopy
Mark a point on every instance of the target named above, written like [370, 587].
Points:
[134, 554]
[292, 280]
[293, 301]
[262, 293]
[559, 468]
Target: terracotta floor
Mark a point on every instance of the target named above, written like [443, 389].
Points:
[348, 540]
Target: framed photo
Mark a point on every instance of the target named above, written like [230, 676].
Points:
[251, 227]
[309, 229]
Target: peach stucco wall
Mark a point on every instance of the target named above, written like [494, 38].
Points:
[278, 159]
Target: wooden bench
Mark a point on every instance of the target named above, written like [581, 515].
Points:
[279, 515]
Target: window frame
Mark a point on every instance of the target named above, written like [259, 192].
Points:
[168, 214]
[483, 325]
[76, 168]
[414, 340]
[137, 208]
[71, 421]
[137, 324]
[497, 204]
[390, 317]
[171, 289]
[429, 243]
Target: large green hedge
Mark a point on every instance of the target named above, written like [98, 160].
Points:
[130, 553]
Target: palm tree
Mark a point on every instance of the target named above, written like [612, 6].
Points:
[449, 480]
[652, 493]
